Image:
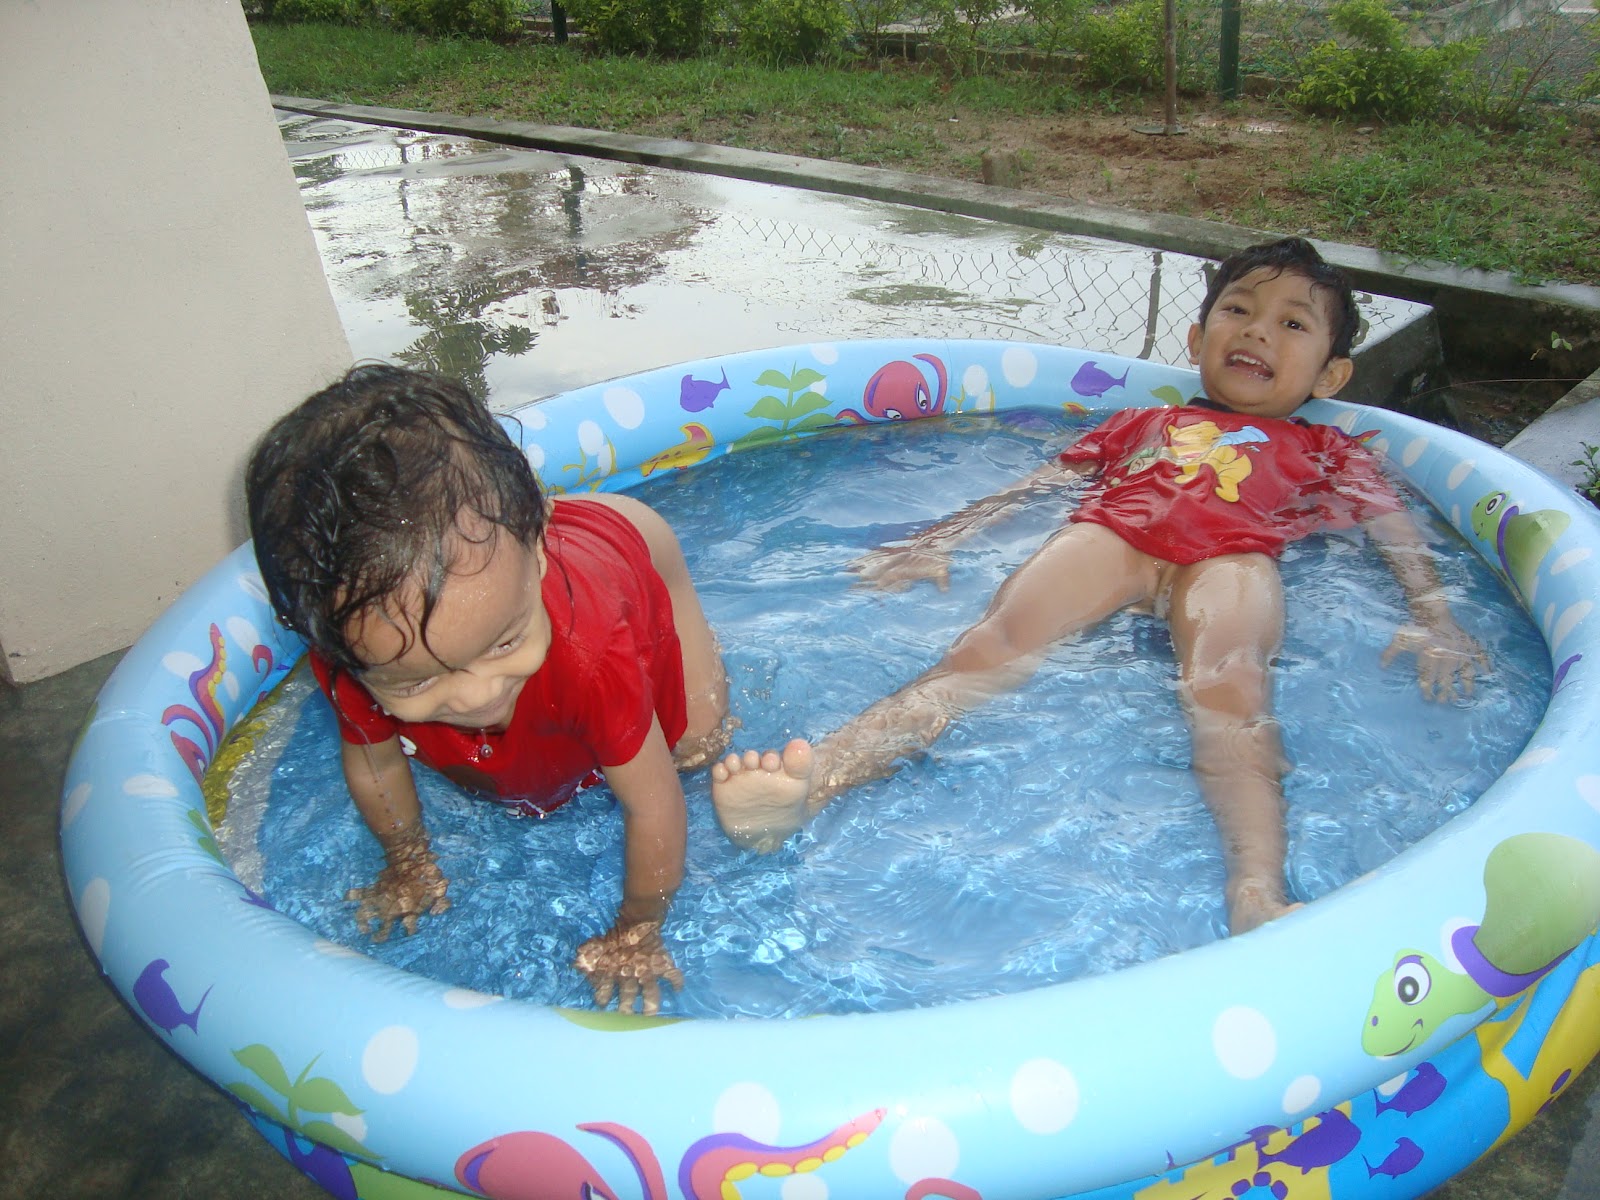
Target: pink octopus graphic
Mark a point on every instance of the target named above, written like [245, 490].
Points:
[899, 391]
[207, 715]
[529, 1165]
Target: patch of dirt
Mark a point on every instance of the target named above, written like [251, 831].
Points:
[1220, 160]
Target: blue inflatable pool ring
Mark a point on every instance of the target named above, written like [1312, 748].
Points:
[1374, 1043]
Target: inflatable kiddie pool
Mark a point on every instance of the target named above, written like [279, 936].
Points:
[1373, 1043]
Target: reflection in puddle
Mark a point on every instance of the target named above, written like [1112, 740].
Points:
[528, 273]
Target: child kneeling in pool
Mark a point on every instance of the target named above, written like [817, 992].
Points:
[520, 645]
[1190, 508]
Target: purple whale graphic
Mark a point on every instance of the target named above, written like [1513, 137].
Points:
[1092, 381]
[697, 395]
[155, 997]
[1333, 1138]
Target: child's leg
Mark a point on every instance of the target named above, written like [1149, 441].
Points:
[1081, 575]
[705, 683]
[1227, 623]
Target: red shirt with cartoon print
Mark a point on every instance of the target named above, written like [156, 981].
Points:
[1189, 483]
[614, 664]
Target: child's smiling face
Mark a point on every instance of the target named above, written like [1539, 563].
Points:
[485, 638]
[1263, 350]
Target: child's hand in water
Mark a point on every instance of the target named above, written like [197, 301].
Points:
[893, 568]
[408, 887]
[1446, 657]
[629, 961]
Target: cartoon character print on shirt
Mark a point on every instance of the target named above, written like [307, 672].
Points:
[1202, 445]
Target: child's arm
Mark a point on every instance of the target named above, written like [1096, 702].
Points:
[385, 794]
[629, 959]
[1446, 654]
[926, 554]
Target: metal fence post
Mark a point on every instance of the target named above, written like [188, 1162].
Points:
[1228, 51]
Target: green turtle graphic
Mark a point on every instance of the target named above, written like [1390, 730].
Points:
[1541, 899]
[1520, 540]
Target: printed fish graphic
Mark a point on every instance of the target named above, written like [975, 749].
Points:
[1334, 1136]
[1092, 381]
[697, 395]
[696, 445]
[1404, 1157]
[159, 1002]
[1421, 1090]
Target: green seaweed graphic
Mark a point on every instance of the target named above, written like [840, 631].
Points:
[588, 480]
[799, 412]
[205, 841]
[1168, 394]
[308, 1093]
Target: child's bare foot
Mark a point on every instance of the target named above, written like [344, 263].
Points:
[1253, 902]
[762, 798]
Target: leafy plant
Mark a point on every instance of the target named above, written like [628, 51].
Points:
[800, 410]
[785, 31]
[1054, 21]
[496, 20]
[1589, 485]
[305, 1094]
[960, 26]
[331, 12]
[1126, 46]
[671, 28]
[1513, 74]
[869, 18]
[1382, 74]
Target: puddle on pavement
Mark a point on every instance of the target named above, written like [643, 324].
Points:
[528, 273]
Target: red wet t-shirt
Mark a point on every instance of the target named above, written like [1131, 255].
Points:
[614, 665]
[1190, 483]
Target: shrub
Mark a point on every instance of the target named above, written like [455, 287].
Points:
[959, 27]
[780, 31]
[673, 28]
[333, 12]
[869, 18]
[492, 19]
[1126, 47]
[1054, 21]
[1381, 75]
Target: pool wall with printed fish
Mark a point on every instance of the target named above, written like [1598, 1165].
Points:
[1373, 1043]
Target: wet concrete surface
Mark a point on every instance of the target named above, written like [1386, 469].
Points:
[546, 272]
[529, 272]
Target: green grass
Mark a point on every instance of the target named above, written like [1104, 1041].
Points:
[1525, 201]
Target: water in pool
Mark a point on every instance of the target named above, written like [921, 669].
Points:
[1056, 833]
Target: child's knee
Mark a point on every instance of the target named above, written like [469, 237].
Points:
[981, 648]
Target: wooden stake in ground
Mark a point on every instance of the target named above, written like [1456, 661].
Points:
[1171, 126]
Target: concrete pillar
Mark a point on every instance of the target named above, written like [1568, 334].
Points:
[161, 301]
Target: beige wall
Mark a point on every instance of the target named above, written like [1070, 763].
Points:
[161, 300]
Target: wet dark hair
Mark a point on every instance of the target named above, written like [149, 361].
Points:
[1298, 257]
[360, 491]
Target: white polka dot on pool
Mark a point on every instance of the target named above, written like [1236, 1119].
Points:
[1244, 1041]
[1019, 366]
[750, 1109]
[1044, 1096]
[625, 406]
[923, 1148]
[390, 1059]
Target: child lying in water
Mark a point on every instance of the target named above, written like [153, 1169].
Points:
[1189, 509]
[522, 646]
